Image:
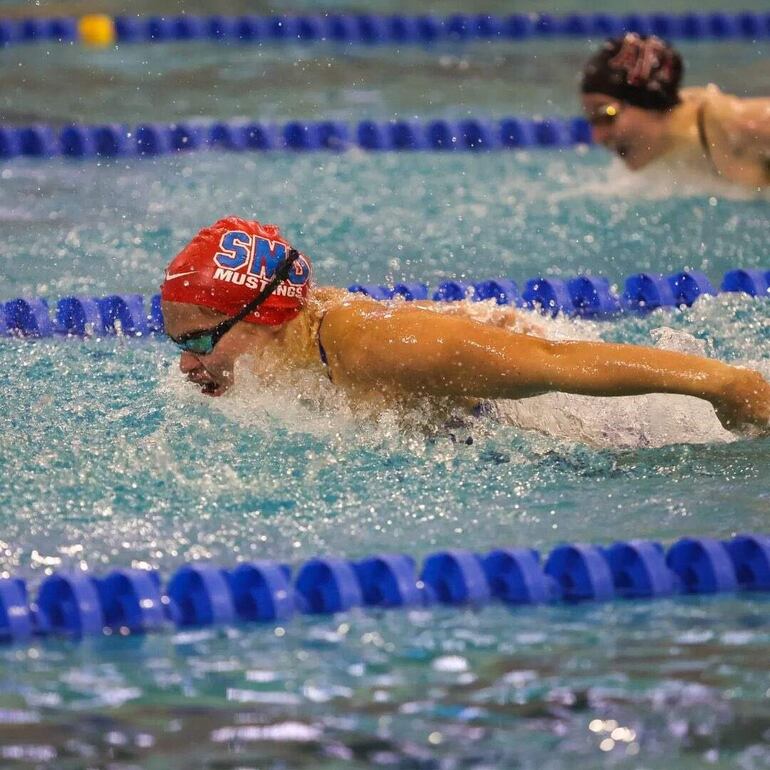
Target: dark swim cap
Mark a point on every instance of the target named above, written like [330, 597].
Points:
[639, 69]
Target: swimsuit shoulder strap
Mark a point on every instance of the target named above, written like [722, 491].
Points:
[704, 143]
[321, 351]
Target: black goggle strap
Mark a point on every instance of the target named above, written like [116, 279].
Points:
[281, 274]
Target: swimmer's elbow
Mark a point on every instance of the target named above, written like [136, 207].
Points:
[553, 365]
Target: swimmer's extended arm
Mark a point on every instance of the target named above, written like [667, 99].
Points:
[421, 352]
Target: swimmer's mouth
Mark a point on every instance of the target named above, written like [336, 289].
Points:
[621, 150]
[208, 388]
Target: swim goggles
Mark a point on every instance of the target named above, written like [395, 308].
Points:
[604, 116]
[204, 341]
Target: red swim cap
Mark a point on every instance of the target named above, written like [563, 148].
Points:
[228, 264]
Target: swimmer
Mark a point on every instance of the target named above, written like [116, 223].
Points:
[238, 288]
[631, 97]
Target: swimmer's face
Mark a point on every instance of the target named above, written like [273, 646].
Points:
[212, 373]
[634, 134]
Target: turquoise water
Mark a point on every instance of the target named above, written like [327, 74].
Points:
[62, 84]
[108, 458]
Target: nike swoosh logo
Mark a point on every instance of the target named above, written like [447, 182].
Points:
[171, 276]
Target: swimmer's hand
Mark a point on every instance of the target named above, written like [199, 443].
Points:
[744, 403]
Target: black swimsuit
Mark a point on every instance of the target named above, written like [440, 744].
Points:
[703, 138]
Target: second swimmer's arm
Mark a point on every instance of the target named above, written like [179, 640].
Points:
[439, 355]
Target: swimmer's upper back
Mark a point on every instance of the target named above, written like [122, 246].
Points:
[734, 134]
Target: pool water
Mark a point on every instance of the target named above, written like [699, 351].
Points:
[179, 81]
[108, 458]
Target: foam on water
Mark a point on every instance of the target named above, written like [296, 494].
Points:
[633, 421]
[659, 181]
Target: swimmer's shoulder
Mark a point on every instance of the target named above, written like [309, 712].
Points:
[342, 314]
[711, 103]
[334, 304]
[733, 133]
[354, 327]
[350, 335]
[704, 103]
[727, 110]
[698, 94]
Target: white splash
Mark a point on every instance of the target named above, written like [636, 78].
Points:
[624, 422]
[658, 181]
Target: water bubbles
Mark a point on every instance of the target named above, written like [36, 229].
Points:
[28, 753]
[450, 664]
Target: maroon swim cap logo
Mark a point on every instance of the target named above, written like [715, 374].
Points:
[647, 63]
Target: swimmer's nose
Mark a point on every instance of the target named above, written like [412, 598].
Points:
[188, 362]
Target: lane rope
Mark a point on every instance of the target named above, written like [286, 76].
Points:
[133, 315]
[374, 29]
[130, 601]
[117, 140]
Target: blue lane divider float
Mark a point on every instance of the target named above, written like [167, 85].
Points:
[374, 29]
[131, 601]
[584, 296]
[114, 140]
[132, 315]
